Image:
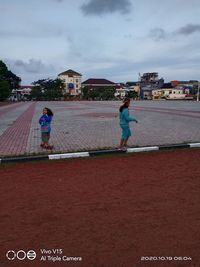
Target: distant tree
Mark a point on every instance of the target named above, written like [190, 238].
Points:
[132, 94]
[131, 83]
[98, 93]
[36, 93]
[85, 92]
[47, 89]
[9, 76]
[8, 81]
[13, 79]
[3, 70]
[5, 90]
[94, 94]
[107, 93]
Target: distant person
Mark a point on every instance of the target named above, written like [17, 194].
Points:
[124, 123]
[45, 123]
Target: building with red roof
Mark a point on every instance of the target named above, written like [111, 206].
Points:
[94, 82]
[72, 81]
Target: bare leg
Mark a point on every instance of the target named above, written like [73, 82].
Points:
[125, 141]
[121, 143]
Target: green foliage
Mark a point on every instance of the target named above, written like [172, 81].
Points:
[8, 81]
[98, 93]
[47, 89]
[5, 90]
[107, 93]
[13, 79]
[132, 94]
[3, 70]
[131, 83]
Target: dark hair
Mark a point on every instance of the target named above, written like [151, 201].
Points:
[126, 102]
[49, 111]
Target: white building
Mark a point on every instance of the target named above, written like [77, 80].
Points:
[123, 90]
[72, 81]
[21, 93]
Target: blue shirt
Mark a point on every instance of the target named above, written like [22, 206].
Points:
[125, 118]
[45, 122]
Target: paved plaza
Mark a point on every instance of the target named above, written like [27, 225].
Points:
[91, 125]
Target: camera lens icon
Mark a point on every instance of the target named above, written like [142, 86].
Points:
[31, 255]
[21, 255]
[11, 255]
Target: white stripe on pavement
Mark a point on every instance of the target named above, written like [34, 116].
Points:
[141, 149]
[69, 155]
[194, 145]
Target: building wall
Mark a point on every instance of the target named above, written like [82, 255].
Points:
[75, 80]
[158, 93]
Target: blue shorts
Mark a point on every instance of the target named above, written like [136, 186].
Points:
[126, 132]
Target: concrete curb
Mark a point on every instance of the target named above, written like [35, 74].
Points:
[97, 153]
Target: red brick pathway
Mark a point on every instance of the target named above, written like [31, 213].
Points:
[14, 139]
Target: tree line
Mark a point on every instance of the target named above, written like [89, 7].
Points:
[8, 81]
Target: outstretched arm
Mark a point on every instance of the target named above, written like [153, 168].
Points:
[127, 117]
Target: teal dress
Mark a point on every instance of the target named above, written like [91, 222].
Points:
[124, 123]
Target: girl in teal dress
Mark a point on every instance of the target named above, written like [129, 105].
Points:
[124, 122]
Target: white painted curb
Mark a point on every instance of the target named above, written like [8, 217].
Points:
[93, 153]
[194, 145]
[142, 149]
[69, 155]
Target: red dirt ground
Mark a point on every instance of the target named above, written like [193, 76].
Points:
[111, 211]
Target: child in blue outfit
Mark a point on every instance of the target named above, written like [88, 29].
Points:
[124, 123]
[45, 123]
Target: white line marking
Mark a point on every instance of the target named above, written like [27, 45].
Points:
[194, 145]
[69, 155]
[141, 149]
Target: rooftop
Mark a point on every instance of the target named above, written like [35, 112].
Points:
[70, 73]
[94, 81]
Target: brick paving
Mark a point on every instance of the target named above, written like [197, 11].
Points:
[14, 139]
[89, 125]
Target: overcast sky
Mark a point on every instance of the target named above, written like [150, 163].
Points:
[111, 39]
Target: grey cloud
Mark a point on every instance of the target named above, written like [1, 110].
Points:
[31, 70]
[189, 29]
[157, 34]
[99, 7]
[33, 66]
